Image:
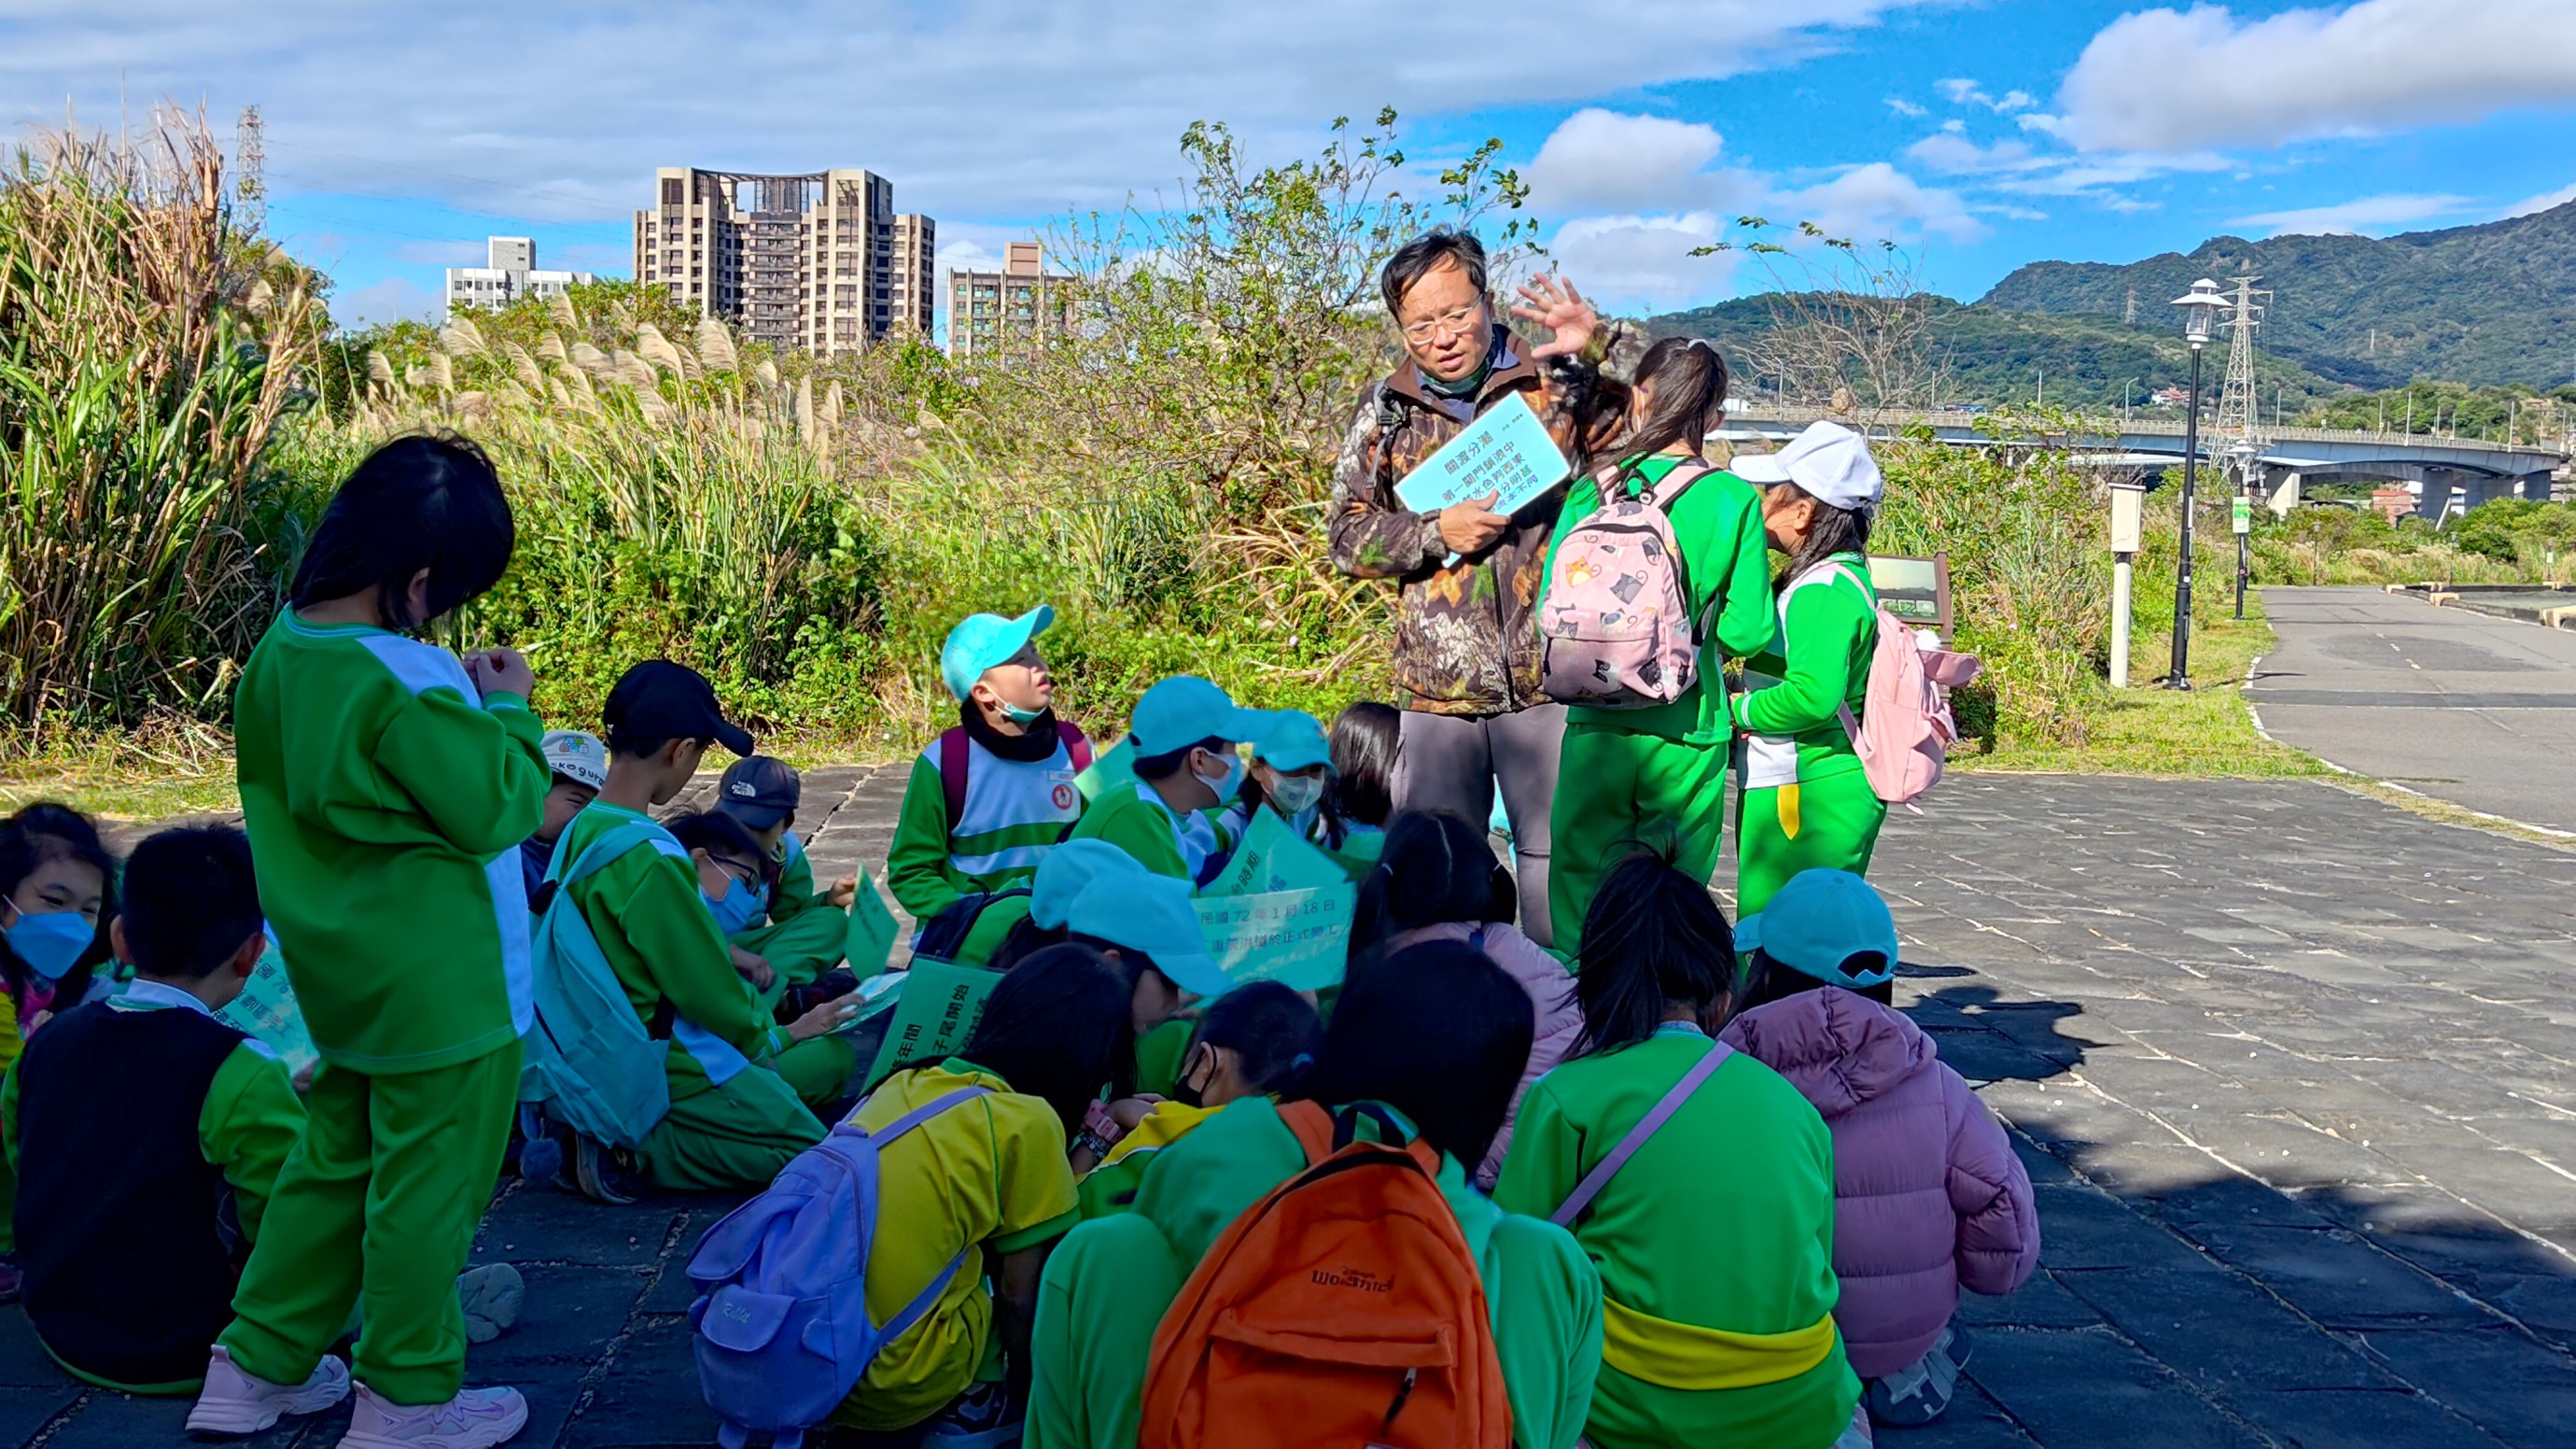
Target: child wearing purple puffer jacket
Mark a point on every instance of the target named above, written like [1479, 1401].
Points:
[1928, 1196]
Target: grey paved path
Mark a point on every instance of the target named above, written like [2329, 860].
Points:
[2465, 706]
[2290, 1067]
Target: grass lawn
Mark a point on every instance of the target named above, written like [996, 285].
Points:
[2205, 732]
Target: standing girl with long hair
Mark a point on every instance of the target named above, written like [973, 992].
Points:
[1657, 775]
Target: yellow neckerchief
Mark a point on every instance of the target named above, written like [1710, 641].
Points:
[1685, 1356]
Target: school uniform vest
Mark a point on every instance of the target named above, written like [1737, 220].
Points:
[126, 1234]
[1015, 810]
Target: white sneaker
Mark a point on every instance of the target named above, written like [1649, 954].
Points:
[235, 1401]
[474, 1419]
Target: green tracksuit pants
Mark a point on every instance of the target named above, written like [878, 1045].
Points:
[1618, 789]
[800, 948]
[738, 1135]
[377, 1208]
[1829, 823]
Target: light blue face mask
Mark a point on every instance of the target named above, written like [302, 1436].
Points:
[737, 909]
[1019, 716]
[1299, 798]
[1232, 785]
[52, 943]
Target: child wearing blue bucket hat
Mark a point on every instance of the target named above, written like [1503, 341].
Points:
[1928, 1195]
[992, 795]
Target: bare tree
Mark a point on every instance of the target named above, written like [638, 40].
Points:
[1850, 326]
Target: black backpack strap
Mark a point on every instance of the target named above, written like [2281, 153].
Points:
[953, 755]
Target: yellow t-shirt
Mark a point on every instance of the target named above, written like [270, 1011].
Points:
[987, 1173]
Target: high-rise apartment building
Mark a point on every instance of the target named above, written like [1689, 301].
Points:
[510, 273]
[819, 261]
[992, 315]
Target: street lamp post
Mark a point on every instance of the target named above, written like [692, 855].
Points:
[2199, 310]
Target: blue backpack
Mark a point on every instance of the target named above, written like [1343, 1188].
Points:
[590, 1061]
[781, 1320]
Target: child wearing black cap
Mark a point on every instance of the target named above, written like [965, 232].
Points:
[797, 932]
[734, 1119]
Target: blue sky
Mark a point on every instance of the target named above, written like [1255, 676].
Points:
[1978, 133]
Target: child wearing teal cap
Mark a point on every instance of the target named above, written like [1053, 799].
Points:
[1292, 773]
[991, 796]
[1186, 766]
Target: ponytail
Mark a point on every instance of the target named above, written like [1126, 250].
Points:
[1687, 382]
[1652, 941]
[1835, 530]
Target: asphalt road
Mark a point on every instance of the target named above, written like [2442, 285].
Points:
[2473, 709]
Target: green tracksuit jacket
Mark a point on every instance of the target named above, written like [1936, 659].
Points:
[1804, 802]
[385, 799]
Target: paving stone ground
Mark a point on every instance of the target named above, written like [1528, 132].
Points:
[2290, 1068]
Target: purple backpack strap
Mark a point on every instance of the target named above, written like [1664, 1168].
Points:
[953, 756]
[1647, 1126]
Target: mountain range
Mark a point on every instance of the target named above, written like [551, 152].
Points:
[2490, 305]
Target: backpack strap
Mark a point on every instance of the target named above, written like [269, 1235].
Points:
[928, 1298]
[608, 848]
[953, 755]
[1313, 1127]
[1076, 745]
[1647, 1126]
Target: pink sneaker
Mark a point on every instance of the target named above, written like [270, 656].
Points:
[474, 1419]
[235, 1401]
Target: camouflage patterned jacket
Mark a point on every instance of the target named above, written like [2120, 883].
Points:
[1466, 638]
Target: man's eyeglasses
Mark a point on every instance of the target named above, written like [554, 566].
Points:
[1454, 324]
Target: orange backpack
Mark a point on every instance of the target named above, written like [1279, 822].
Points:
[1342, 1310]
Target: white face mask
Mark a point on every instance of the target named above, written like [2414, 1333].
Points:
[1227, 784]
[1297, 794]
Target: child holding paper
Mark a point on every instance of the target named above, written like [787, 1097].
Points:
[796, 930]
[1185, 731]
[988, 799]
[1148, 926]
[1257, 1040]
[741, 1086]
[987, 1178]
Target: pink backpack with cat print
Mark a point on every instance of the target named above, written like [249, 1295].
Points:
[1905, 729]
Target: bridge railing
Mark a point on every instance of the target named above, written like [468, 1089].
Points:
[1896, 421]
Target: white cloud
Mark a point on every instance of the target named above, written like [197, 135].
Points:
[2040, 121]
[1599, 160]
[2170, 80]
[975, 108]
[1632, 262]
[2352, 216]
[1969, 93]
[1878, 202]
[2542, 202]
[1960, 91]
[395, 299]
[1954, 154]
[1904, 107]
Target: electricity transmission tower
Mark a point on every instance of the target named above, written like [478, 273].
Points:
[2240, 415]
[251, 190]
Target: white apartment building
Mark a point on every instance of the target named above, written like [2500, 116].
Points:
[510, 272]
[820, 261]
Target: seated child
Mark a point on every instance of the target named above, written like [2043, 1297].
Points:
[1014, 927]
[146, 1135]
[1148, 927]
[1257, 1040]
[741, 1086]
[580, 765]
[1928, 1195]
[1185, 732]
[1435, 1038]
[1292, 773]
[1435, 882]
[1366, 741]
[1717, 1339]
[988, 798]
[987, 1178]
[796, 930]
[57, 882]
[736, 878]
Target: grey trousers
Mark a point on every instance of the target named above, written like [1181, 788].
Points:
[1452, 762]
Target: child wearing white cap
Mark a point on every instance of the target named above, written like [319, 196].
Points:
[580, 765]
[1185, 732]
[990, 797]
[1804, 803]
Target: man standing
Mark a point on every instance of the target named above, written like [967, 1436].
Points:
[1466, 640]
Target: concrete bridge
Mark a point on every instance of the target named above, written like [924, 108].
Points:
[2437, 469]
